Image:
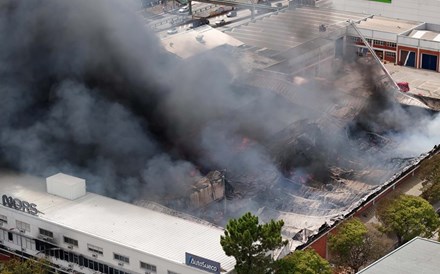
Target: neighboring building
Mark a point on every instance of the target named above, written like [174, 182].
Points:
[83, 232]
[417, 10]
[417, 256]
[402, 42]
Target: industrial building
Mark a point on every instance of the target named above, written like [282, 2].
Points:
[283, 47]
[81, 232]
[87, 233]
[416, 256]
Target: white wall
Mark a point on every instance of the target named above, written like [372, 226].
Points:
[83, 239]
[417, 10]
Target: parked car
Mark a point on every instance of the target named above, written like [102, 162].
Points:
[172, 31]
[232, 13]
[199, 22]
[184, 9]
[220, 22]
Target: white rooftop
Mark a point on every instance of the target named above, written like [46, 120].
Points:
[196, 41]
[390, 25]
[417, 256]
[136, 227]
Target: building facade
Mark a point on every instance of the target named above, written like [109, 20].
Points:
[80, 232]
[402, 42]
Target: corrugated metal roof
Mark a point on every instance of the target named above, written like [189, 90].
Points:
[417, 256]
[289, 28]
[136, 227]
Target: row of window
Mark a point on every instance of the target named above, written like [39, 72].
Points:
[375, 42]
[22, 226]
[390, 54]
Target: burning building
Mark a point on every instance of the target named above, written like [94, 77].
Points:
[301, 130]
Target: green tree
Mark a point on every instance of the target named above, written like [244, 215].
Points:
[407, 217]
[429, 172]
[16, 266]
[303, 262]
[250, 243]
[354, 245]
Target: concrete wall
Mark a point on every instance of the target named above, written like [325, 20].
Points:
[418, 10]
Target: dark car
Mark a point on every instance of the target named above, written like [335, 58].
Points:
[232, 13]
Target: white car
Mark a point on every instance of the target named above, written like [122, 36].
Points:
[184, 9]
[172, 31]
[220, 22]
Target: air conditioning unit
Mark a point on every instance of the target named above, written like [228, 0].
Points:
[71, 265]
[94, 255]
[121, 264]
[70, 246]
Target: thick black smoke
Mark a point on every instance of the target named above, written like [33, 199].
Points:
[88, 90]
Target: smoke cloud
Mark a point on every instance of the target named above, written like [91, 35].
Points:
[88, 90]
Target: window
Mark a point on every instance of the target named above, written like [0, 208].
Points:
[390, 54]
[46, 233]
[148, 267]
[3, 219]
[95, 249]
[70, 241]
[172, 272]
[121, 258]
[22, 226]
[391, 44]
[379, 42]
[369, 40]
[28, 243]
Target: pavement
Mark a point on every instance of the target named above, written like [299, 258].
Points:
[421, 82]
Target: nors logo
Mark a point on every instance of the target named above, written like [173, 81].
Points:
[19, 205]
[202, 263]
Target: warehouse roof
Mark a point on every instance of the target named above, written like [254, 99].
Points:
[289, 28]
[142, 229]
[417, 256]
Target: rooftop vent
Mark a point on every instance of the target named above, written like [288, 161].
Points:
[66, 186]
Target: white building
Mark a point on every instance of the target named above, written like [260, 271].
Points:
[82, 232]
[417, 10]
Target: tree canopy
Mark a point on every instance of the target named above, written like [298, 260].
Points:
[303, 262]
[16, 266]
[354, 245]
[430, 172]
[250, 243]
[407, 217]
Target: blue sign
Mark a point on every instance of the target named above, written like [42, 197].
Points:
[202, 263]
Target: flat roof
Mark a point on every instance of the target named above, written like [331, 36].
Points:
[390, 25]
[425, 35]
[417, 256]
[196, 41]
[135, 227]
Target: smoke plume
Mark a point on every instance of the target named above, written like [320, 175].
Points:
[88, 90]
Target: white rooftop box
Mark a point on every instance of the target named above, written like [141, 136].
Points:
[66, 186]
